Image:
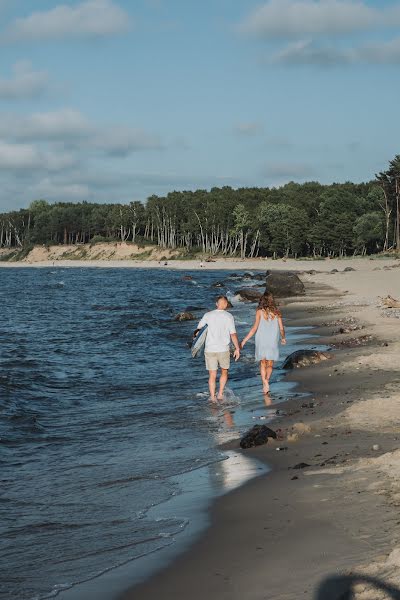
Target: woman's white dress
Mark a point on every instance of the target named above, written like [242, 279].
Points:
[267, 338]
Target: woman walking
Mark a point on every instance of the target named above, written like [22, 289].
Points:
[269, 330]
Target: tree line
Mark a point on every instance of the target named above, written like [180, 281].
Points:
[308, 219]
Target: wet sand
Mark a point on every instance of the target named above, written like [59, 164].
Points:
[283, 534]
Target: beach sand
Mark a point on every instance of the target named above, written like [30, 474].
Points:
[306, 533]
[309, 533]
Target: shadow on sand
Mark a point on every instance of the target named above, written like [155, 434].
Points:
[342, 587]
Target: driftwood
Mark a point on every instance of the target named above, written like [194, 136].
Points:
[390, 302]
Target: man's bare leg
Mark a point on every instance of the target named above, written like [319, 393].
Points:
[212, 380]
[222, 383]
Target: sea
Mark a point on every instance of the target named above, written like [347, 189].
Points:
[109, 447]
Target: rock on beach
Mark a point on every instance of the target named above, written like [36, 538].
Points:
[304, 358]
[284, 283]
[248, 295]
[257, 436]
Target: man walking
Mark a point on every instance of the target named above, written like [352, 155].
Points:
[220, 332]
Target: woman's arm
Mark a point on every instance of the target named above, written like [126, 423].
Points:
[282, 330]
[253, 329]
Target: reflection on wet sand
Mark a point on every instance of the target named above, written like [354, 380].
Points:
[267, 399]
[224, 413]
[235, 471]
[227, 414]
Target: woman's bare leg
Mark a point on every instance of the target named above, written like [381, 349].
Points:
[269, 369]
[264, 377]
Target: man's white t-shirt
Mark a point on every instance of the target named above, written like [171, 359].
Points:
[221, 325]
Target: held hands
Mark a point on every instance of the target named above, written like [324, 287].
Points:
[236, 354]
[242, 343]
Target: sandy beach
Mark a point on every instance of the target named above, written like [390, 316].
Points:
[310, 532]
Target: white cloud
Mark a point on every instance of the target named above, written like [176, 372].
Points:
[58, 192]
[386, 52]
[250, 128]
[299, 18]
[71, 128]
[307, 52]
[288, 170]
[59, 125]
[24, 83]
[120, 141]
[18, 156]
[61, 155]
[27, 157]
[98, 185]
[92, 18]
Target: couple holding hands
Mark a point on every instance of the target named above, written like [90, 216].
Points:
[268, 329]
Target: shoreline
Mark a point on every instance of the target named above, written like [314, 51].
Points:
[283, 534]
[195, 498]
[257, 264]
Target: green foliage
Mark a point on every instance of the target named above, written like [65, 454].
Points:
[389, 181]
[98, 239]
[369, 231]
[9, 256]
[284, 228]
[310, 220]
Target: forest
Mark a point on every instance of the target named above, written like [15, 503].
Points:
[294, 220]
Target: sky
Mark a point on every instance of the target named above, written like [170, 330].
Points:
[116, 100]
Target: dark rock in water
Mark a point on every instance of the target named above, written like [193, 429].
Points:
[348, 269]
[284, 283]
[334, 271]
[301, 465]
[234, 276]
[304, 358]
[257, 436]
[187, 278]
[248, 295]
[259, 276]
[185, 316]
[218, 284]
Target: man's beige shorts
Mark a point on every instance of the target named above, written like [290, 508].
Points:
[217, 359]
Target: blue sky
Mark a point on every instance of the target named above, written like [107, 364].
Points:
[114, 100]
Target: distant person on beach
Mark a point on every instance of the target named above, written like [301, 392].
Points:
[221, 331]
[269, 331]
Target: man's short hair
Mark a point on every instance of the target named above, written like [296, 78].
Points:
[222, 298]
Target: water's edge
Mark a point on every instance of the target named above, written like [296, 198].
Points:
[112, 457]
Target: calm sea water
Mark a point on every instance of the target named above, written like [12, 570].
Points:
[101, 408]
